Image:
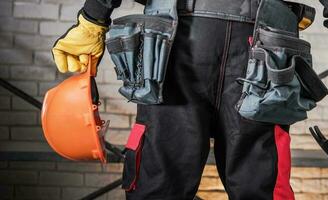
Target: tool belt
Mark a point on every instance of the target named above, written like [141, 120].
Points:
[280, 85]
[139, 46]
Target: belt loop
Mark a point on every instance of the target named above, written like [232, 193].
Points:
[190, 5]
[186, 5]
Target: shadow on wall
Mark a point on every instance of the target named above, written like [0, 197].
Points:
[28, 29]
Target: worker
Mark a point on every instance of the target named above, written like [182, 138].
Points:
[171, 141]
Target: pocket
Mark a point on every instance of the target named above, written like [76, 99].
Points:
[139, 46]
[124, 51]
[133, 149]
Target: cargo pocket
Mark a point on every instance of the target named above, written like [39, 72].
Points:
[139, 46]
[272, 91]
[133, 149]
[124, 51]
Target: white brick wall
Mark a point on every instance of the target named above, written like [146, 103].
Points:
[28, 30]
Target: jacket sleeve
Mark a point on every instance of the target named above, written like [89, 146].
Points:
[99, 11]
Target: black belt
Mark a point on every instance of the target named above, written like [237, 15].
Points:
[239, 10]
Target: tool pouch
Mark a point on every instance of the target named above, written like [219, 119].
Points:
[280, 85]
[139, 46]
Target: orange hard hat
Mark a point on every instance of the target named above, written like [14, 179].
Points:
[71, 121]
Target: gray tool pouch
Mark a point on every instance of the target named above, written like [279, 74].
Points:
[279, 84]
[139, 46]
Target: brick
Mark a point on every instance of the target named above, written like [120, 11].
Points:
[117, 193]
[45, 86]
[102, 106]
[113, 168]
[15, 56]
[4, 103]
[211, 183]
[117, 121]
[210, 171]
[315, 39]
[311, 185]
[33, 1]
[99, 180]
[117, 137]
[20, 146]
[43, 58]
[4, 133]
[120, 106]
[29, 87]
[110, 76]
[61, 179]
[305, 172]
[64, 1]
[298, 128]
[296, 184]
[138, 9]
[5, 8]
[4, 72]
[17, 118]
[34, 193]
[54, 28]
[20, 104]
[303, 142]
[324, 185]
[17, 25]
[3, 165]
[212, 195]
[110, 91]
[316, 113]
[6, 40]
[33, 73]
[70, 193]
[34, 42]
[69, 12]
[308, 196]
[36, 11]
[7, 192]
[62, 76]
[79, 167]
[133, 120]
[18, 177]
[27, 133]
[324, 173]
[35, 165]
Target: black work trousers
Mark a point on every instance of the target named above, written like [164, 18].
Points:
[169, 145]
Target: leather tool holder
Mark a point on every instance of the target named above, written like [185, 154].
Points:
[280, 85]
[139, 46]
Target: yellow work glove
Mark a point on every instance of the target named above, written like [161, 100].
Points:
[71, 51]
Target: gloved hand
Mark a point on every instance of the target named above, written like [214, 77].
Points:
[71, 51]
[325, 12]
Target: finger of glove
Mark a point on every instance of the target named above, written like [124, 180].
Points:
[60, 60]
[73, 63]
[84, 59]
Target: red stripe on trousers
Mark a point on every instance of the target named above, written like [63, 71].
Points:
[283, 190]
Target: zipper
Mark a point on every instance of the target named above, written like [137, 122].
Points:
[223, 65]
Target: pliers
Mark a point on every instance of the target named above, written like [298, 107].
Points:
[320, 138]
